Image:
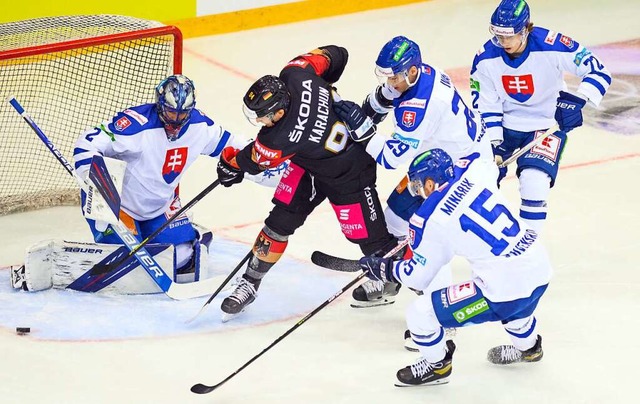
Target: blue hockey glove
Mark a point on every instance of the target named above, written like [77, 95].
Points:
[569, 111]
[360, 126]
[377, 268]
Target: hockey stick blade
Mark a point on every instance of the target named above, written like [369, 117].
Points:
[202, 389]
[334, 263]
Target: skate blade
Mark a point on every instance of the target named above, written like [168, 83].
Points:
[433, 383]
[228, 316]
[410, 346]
[356, 304]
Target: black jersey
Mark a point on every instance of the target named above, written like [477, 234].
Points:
[310, 134]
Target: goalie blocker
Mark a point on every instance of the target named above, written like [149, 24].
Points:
[67, 265]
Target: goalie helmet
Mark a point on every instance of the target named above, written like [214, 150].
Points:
[509, 19]
[175, 99]
[435, 164]
[264, 98]
[397, 56]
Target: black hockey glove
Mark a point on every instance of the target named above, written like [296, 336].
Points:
[360, 126]
[377, 268]
[569, 111]
[228, 171]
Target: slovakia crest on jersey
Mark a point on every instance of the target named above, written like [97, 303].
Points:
[174, 162]
[408, 118]
[122, 124]
[519, 88]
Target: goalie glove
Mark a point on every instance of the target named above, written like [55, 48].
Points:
[569, 111]
[377, 268]
[229, 172]
[360, 126]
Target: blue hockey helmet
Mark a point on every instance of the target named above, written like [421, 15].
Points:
[397, 56]
[510, 18]
[434, 164]
[175, 99]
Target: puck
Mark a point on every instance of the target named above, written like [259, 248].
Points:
[23, 330]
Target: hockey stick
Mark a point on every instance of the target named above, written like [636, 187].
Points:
[535, 142]
[146, 260]
[334, 263]
[222, 285]
[204, 389]
[102, 268]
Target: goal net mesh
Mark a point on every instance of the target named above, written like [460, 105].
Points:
[70, 74]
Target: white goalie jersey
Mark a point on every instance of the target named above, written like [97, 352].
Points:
[155, 165]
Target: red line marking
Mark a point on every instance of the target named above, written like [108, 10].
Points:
[221, 65]
[601, 161]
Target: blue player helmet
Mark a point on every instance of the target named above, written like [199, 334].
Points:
[434, 164]
[175, 99]
[510, 18]
[396, 57]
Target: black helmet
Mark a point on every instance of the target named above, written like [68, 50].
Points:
[265, 96]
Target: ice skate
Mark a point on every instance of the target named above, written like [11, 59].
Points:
[423, 373]
[243, 295]
[375, 293]
[508, 354]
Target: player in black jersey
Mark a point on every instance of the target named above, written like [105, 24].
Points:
[299, 125]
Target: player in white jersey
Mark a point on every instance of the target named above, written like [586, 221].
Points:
[465, 215]
[158, 141]
[429, 113]
[517, 85]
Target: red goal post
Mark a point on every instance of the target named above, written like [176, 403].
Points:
[71, 73]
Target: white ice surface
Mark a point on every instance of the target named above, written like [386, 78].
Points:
[92, 349]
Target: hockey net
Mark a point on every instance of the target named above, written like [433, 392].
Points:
[70, 74]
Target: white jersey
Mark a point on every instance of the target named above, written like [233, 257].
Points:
[430, 115]
[155, 165]
[521, 93]
[468, 217]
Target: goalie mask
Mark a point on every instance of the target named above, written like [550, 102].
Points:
[264, 98]
[434, 164]
[175, 99]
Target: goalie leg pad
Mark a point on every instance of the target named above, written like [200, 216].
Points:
[62, 264]
[39, 267]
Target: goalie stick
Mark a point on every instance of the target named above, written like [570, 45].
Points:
[174, 290]
[204, 389]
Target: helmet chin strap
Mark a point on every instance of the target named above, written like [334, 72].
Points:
[406, 77]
